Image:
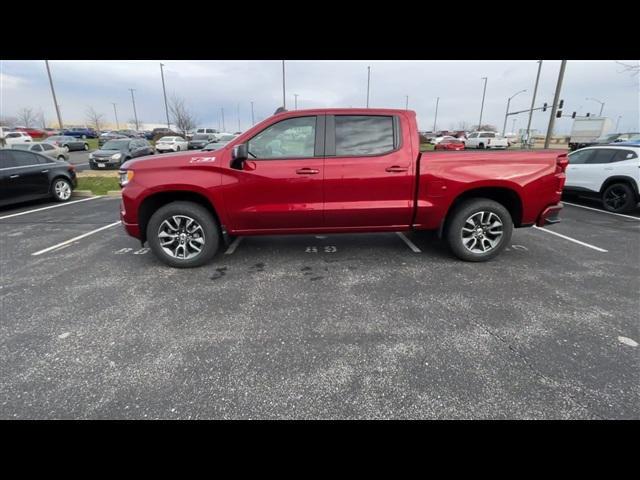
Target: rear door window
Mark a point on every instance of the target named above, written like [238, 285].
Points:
[579, 157]
[24, 159]
[622, 155]
[361, 135]
[601, 155]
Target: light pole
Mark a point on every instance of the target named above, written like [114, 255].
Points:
[284, 97]
[253, 122]
[296, 101]
[435, 118]
[368, 83]
[513, 126]
[53, 92]
[164, 91]
[223, 127]
[533, 101]
[239, 118]
[133, 100]
[554, 107]
[504, 127]
[618, 122]
[482, 106]
[116, 114]
[600, 102]
[406, 105]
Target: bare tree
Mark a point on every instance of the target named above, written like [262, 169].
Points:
[8, 121]
[26, 117]
[634, 70]
[182, 117]
[94, 119]
[41, 120]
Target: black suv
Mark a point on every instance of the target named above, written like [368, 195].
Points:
[115, 152]
[28, 176]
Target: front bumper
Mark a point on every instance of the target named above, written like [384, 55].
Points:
[550, 215]
[107, 162]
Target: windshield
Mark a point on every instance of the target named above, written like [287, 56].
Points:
[115, 145]
[201, 137]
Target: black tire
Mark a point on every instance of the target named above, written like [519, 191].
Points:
[86, 147]
[210, 228]
[59, 192]
[67, 147]
[457, 220]
[84, 137]
[481, 146]
[61, 158]
[618, 198]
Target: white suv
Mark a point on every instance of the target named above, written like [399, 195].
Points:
[610, 172]
[486, 140]
[12, 138]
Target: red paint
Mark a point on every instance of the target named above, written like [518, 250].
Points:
[33, 132]
[397, 191]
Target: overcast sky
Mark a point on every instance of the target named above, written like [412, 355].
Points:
[207, 86]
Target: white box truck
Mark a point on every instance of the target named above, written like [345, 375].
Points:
[585, 131]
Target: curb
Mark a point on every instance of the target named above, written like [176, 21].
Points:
[82, 193]
[114, 193]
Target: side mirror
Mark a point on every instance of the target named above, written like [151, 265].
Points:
[239, 155]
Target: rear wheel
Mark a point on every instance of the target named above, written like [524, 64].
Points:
[61, 189]
[478, 229]
[481, 146]
[618, 197]
[183, 234]
[86, 146]
[66, 148]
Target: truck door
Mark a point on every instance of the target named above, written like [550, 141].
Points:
[280, 186]
[369, 172]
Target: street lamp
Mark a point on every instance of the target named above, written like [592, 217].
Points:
[133, 100]
[484, 91]
[368, 84]
[116, 114]
[164, 91]
[599, 101]
[295, 101]
[504, 127]
[435, 118]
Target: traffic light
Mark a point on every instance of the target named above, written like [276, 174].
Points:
[561, 104]
[573, 115]
[588, 114]
[544, 107]
[559, 114]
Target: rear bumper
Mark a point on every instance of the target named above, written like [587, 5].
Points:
[550, 215]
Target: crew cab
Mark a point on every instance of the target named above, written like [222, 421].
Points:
[333, 171]
[486, 140]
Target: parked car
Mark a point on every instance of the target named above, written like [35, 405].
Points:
[611, 173]
[450, 144]
[80, 132]
[486, 140]
[200, 140]
[52, 131]
[205, 131]
[171, 144]
[148, 134]
[44, 148]
[437, 140]
[28, 176]
[67, 142]
[612, 138]
[115, 152]
[34, 133]
[105, 137]
[12, 138]
[364, 174]
[218, 144]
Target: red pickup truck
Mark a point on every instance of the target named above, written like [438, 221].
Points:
[332, 171]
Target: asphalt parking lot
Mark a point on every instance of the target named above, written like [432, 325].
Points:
[336, 326]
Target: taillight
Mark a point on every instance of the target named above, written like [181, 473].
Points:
[562, 162]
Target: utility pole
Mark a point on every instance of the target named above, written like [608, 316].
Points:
[253, 122]
[296, 101]
[600, 102]
[435, 119]
[504, 127]
[53, 92]
[533, 102]
[284, 96]
[618, 122]
[368, 84]
[135, 115]
[164, 90]
[513, 126]
[406, 106]
[554, 107]
[484, 91]
[116, 114]
[239, 129]
[223, 127]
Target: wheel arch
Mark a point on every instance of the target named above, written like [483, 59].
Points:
[621, 179]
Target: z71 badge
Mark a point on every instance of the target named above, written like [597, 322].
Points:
[202, 159]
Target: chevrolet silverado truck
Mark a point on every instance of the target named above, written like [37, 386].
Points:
[336, 171]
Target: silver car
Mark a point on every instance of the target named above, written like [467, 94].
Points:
[44, 148]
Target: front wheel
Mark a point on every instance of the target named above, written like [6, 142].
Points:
[478, 229]
[183, 234]
[618, 197]
[66, 148]
[61, 189]
[86, 147]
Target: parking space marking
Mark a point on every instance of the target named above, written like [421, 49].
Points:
[602, 211]
[51, 206]
[74, 239]
[233, 246]
[410, 244]
[572, 239]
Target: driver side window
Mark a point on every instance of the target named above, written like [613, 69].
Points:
[290, 138]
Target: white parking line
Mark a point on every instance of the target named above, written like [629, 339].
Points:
[233, 246]
[602, 211]
[52, 206]
[74, 239]
[571, 239]
[411, 245]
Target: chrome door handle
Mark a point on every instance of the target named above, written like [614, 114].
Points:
[14, 176]
[307, 171]
[44, 171]
[396, 168]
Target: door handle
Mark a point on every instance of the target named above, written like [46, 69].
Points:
[14, 176]
[396, 168]
[44, 171]
[307, 171]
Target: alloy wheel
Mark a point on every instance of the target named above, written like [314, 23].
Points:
[62, 189]
[181, 237]
[482, 232]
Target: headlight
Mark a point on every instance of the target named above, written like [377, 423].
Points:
[116, 156]
[125, 177]
[91, 156]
